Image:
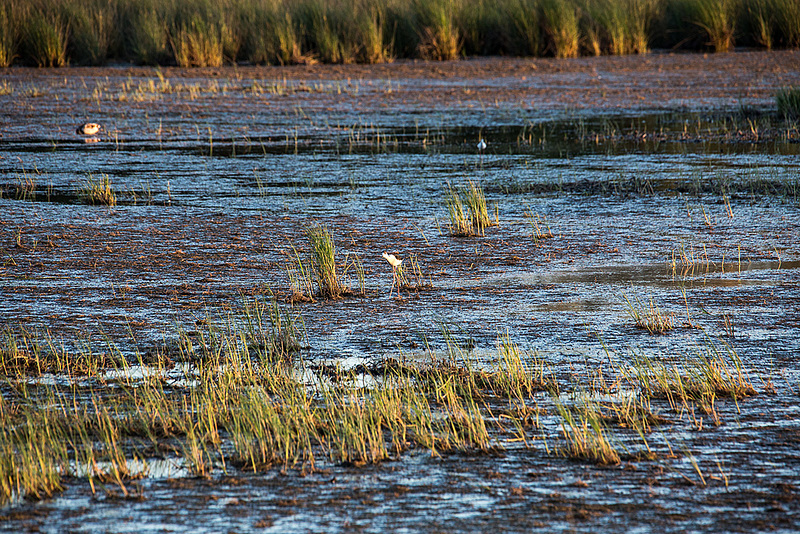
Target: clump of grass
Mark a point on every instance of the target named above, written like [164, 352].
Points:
[515, 377]
[24, 353]
[460, 219]
[370, 28]
[586, 435]
[701, 378]
[92, 30]
[326, 27]
[438, 34]
[409, 275]
[649, 317]
[280, 46]
[468, 216]
[788, 102]
[8, 37]
[31, 457]
[301, 278]
[25, 188]
[145, 33]
[622, 25]
[276, 333]
[539, 225]
[524, 30]
[45, 38]
[476, 202]
[705, 23]
[560, 22]
[98, 191]
[198, 43]
[323, 258]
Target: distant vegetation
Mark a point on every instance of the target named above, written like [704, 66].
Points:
[214, 32]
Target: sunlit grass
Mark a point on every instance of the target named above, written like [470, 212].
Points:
[649, 316]
[239, 398]
[700, 378]
[200, 33]
[323, 257]
[98, 191]
[560, 23]
[586, 435]
[45, 36]
[469, 215]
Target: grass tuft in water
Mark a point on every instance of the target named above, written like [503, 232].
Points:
[467, 209]
[649, 317]
[699, 378]
[586, 435]
[323, 258]
[98, 191]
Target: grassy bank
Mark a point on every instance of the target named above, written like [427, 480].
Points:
[206, 33]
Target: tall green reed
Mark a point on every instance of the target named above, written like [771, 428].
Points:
[45, 36]
[323, 257]
[560, 23]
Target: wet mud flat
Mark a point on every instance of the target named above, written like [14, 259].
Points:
[664, 187]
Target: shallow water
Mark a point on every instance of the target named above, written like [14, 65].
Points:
[216, 179]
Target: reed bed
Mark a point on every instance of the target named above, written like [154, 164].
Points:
[788, 102]
[205, 33]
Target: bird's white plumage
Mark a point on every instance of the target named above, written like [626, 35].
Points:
[395, 263]
[481, 145]
[392, 259]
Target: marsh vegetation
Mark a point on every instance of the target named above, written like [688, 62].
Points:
[204, 33]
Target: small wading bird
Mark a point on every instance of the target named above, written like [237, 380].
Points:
[395, 263]
[90, 128]
[481, 145]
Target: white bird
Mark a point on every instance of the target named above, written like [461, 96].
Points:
[481, 145]
[90, 128]
[395, 263]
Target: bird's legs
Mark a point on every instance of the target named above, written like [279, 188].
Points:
[394, 281]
